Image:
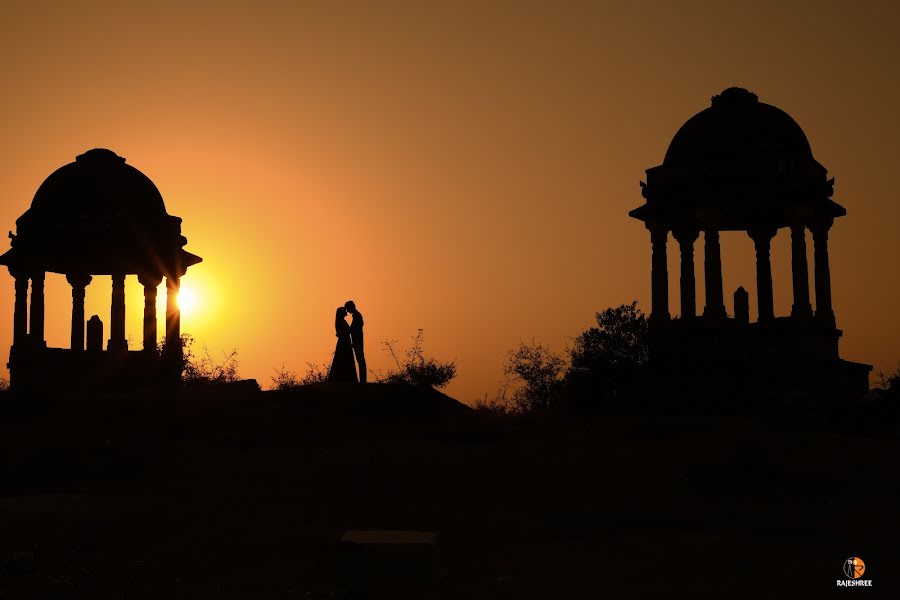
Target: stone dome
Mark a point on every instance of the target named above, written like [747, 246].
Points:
[736, 165]
[99, 182]
[98, 215]
[737, 125]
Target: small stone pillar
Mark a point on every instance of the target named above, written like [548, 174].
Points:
[95, 334]
[659, 275]
[741, 306]
[712, 265]
[686, 241]
[78, 283]
[762, 239]
[800, 274]
[150, 283]
[36, 334]
[824, 312]
[117, 315]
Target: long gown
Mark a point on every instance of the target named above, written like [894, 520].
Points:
[343, 367]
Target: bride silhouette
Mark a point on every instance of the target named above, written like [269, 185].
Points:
[343, 367]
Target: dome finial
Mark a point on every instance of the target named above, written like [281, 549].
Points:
[99, 154]
[734, 95]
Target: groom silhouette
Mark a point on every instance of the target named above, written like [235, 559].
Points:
[356, 337]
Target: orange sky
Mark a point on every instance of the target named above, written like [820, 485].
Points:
[462, 167]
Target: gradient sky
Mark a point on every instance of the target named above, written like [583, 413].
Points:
[462, 167]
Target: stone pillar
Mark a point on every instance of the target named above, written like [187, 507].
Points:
[762, 239]
[117, 315]
[800, 272]
[659, 275]
[150, 283]
[712, 266]
[824, 312]
[78, 283]
[173, 315]
[686, 241]
[36, 334]
[173, 353]
[20, 316]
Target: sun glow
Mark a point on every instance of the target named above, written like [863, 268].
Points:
[189, 300]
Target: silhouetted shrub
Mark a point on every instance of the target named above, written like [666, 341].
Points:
[538, 375]
[203, 368]
[416, 368]
[4, 384]
[890, 383]
[285, 379]
[498, 405]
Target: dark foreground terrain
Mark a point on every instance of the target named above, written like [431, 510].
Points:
[246, 496]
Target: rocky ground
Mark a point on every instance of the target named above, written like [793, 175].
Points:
[246, 495]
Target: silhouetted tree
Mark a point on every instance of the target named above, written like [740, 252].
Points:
[538, 375]
[605, 360]
[416, 368]
[603, 363]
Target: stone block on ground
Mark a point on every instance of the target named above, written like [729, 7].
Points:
[378, 560]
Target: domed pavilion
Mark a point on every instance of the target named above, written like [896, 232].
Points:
[96, 216]
[743, 165]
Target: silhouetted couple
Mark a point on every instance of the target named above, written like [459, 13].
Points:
[349, 342]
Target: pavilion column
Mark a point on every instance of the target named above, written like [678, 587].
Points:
[659, 275]
[686, 241]
[117, 315]
[824, 312]
[762, 239]
[78, 283]
[712, 266]
[20, 316]
[800, 271]
[36, 333]
[150, 284]
[173, 315]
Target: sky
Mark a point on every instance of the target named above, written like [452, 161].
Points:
[462, 167]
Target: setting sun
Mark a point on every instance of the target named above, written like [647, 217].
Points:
[188, 300]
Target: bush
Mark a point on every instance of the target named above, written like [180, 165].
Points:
[890, 383]
[203, 368]
[285, 379]
[416, 368]
[539, 373]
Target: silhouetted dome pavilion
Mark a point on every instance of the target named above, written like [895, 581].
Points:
[743, 165]
[95, 216]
